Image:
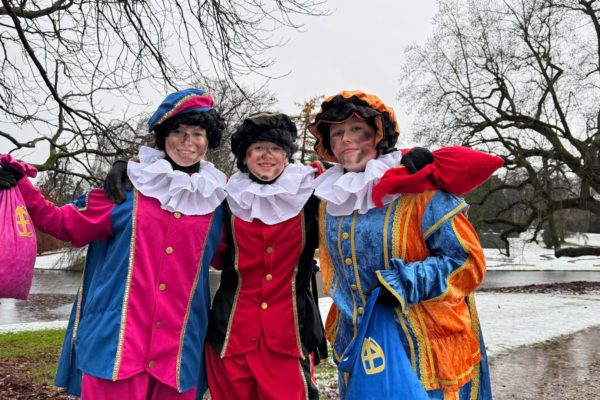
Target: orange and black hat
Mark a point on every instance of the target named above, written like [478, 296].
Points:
[346, 104]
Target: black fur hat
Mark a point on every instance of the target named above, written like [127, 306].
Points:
[268, 127]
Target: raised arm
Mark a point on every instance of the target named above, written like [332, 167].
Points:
[85, 220]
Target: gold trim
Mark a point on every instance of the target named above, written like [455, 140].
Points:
[475, 329]
[339, 240]
[444, 219]
[78, 309]
[324, 256]
[127, 288]
[87, 202]
[475, 382]
[420, 346]
[395, 228]
[187, 311]
[391, 290]
[355, 265]
[168, 114]
[343, 268]
[458, 378]
[354, 317]
[335, 286]
[264, 114]
[411, 345]
[397, 242]
[302, 373]
[386, 222]
[406, 224]
[338, 322]
[237, 291]
[468, 261]
[432, 378]
[294, 303]
[333, 333]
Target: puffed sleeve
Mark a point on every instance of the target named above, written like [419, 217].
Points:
[455, 266]
[86, 219]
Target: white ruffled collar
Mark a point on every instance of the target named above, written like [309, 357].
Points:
[273, 202]
[197, 194]
[344, 193]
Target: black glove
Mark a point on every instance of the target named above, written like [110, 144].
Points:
[117, 182]
[385, 296]
[416, 159]
[9, 177]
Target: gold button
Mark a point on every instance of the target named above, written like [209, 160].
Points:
[162, 287]
[345, 235]
[269, 277]
[151, 364]
[360, 310]
[269, 249]
[348, 261]
[169, 250]
[264, 306]
[158, 325]
[353, 287]
[177, 215]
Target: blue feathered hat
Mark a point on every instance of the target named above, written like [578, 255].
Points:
[180, 102]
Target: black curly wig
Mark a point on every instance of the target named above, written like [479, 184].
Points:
[209, 120]
[264, 127]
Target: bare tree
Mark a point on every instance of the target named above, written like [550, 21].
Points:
[520, 78]
[234, 104]
[306, 141]
[70, 69]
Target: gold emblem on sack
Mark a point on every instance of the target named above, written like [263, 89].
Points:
[372, 356]
[23, 222]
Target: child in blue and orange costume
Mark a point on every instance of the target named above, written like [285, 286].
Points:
[382, 227]
[139, 320]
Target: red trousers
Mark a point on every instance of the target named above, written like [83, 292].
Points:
[260, 375]
[139, 387]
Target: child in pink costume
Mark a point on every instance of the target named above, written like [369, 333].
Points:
[139, 319]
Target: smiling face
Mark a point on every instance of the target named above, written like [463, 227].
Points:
[265, 160]
[186, 145]
[353, 143]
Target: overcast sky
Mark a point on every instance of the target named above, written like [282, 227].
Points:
[359, 46]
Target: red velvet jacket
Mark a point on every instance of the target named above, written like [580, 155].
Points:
[266, 287]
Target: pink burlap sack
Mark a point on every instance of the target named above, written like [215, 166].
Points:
[17, 238]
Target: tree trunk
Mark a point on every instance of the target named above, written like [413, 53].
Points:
[577, 251]
[553, 231]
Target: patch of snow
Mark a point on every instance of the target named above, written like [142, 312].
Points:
[49, 260]
[32, 326]
[511, 320]
[56, 260]
[530, 256]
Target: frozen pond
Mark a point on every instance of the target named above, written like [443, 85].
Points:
[53, 290]
[494, 278]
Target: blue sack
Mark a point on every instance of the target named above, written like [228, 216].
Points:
[376, 361]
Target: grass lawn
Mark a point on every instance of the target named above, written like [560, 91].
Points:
[27, 364]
